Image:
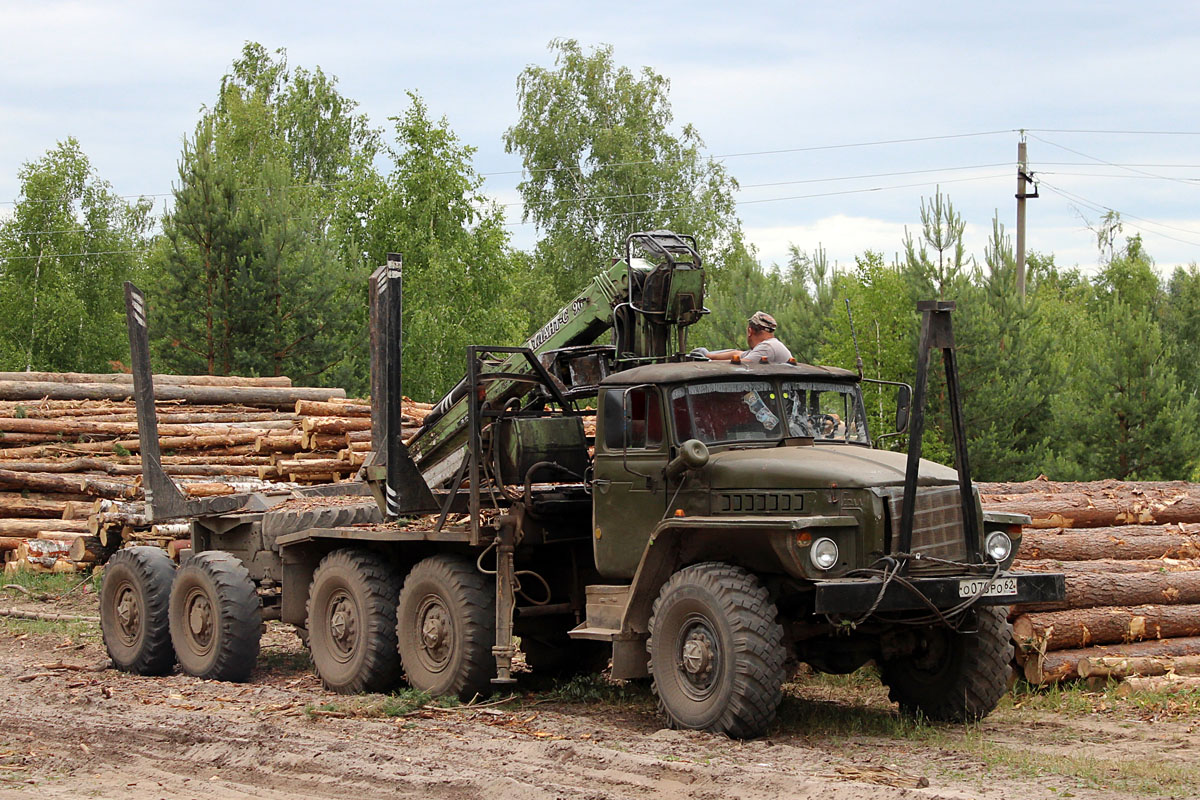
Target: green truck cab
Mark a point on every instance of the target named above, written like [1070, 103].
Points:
[745, 522]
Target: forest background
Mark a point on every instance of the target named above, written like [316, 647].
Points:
[287, 197]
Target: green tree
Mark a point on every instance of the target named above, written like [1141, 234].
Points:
[1181, 324]
[64, 254]
[462, 285]
[601, 162]
[261, 268]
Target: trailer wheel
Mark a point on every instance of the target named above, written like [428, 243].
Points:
[954, 676]
[216, 617]
[352, 622]
[445, 627]
[716, 652]
[134, 597]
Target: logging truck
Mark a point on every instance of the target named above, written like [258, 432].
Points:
[722, 523]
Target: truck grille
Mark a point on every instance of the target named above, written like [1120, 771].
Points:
[759, 502]
[937, 521]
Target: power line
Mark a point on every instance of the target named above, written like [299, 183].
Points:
[690, 206]
[66, 255]
[1095, 206]
[1108, 163]
[1119, 133]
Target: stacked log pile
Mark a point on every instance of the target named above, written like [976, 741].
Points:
[1131, 556]
[70, 469]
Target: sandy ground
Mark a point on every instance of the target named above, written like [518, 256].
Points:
[72, 733]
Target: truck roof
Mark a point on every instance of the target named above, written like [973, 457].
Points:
[701, 370]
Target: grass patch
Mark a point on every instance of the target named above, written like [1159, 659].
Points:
[598, 688]
[276, 659]
[1135, 776]
[43, 586]
[1078, 698]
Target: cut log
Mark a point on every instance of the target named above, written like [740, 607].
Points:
[1108, 565]
[1089, 589]
[1101, 509]
[246, 395]
[335, 424]
[171, 530]
[1162, 684]
[87, 549]
[1121, 542]
[1070, 487]
[1059, 665]
[1083, 627]
[32, 527]
[47, 482]
[314, 408]
[17, 506]
[9, 543]
[1126, 667]
[322, 441]
[125, 378]
[311, 465]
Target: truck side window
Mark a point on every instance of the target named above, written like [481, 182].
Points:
[644, 419]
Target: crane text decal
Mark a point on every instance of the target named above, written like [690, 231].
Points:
[565, 315]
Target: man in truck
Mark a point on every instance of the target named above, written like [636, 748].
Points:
[764, 347]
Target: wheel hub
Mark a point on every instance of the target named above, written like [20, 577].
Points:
[129, 614]
[698, 657]
[200, 619]
[436, 632]
[343, 623]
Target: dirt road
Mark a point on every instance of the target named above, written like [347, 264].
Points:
[69, 733]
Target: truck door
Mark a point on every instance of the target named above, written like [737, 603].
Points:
[629, 498]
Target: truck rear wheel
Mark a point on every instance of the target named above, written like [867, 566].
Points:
[216, 618]
[954, 676]
[445, 627]
[352, 622]
[134, 597]
[716, 652]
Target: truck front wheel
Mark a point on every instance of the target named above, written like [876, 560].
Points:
[954, 676]
[716, 652]
[352, 622]
[445, 627]
[216, 618]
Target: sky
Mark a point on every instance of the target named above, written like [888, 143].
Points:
[837, 119]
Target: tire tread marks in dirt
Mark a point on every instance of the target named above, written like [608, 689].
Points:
[754, 677]
[374, 665]
[974, 678]
[148, 572]
[470, 599]
[237, 612]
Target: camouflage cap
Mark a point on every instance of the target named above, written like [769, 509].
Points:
[763, 321]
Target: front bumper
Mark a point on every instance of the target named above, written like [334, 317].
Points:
[858, 595]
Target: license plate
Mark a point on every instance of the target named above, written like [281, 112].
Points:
[1001, 587]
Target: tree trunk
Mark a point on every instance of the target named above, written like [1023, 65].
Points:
[1100, 509]
[248, 395]
[1089, 589]
[314, 408]
[43, 482]
[335, 424]
[125, 378]
[17, 506]
[1128, 666]
[1070, 487]
[1083, 627]
[32, 527]
[1059, 665]
[1124, 542]
[87, 549]
[1108, 565]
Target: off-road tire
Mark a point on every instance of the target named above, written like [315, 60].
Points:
[964, 675]
[352, 622]
[215, 617]
[446, 627]
[134, 598]
[723, 620]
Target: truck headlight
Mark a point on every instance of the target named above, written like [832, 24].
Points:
[998, 545]
[823, 553]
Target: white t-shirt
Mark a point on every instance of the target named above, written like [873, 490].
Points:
[772, 349]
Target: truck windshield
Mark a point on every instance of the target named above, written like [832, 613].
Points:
[824, 411]
[729, 411]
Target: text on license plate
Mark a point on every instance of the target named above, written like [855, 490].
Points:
[1001, 587]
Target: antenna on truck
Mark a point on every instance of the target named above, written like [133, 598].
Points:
[854, 335]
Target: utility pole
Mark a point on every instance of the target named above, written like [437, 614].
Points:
[1022, 185]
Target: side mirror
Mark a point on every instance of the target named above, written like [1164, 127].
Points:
[693, 454]
[903, 402]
